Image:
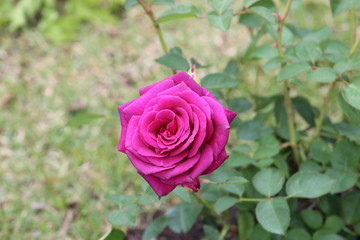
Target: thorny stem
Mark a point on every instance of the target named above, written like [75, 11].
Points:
[286, 89]
[150, 13]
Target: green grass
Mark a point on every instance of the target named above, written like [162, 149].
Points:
[54, 177]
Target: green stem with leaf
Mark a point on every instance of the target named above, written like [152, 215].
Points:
[319, 121]
[286, 89]
[150, 13]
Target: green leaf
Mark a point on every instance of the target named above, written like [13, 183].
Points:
[274, 63]
[310, 166]
[325, 234]
[174, 61]
[130, 3]
[260, 233]
[268, 147]
[268, 182]
[347, 65]
[248, 3]
[163, 2]
[339, 6]
[119, 218]
[344, 180]
[239, 105]
[250, 130]
[323, 75]
[298, 234]
[245, 224]
[188, 215]
[308, 51]
[176, 50]
[235, 180]
[350, 204]
[220, 6]
[264, 12]
[318, 36]
[114, 234]
[181, 193]
[349, 130]
[320, 151]
[309, 185]
[292, 70]
[155, 228]
[234, 188]
[336, 51]
[178, 12]
[304, 108]
[312, 218]
[264, 51]
[218, 80]
[334, 224]
[82, 118]
[232, 68]
[346, 155]
[351, 93]
[224, 203]
[211, 233]
[273, 215]
[221, 22]
[348, 110]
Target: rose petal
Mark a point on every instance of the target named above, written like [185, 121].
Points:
[144, 166]
[215, 164]
[221, 126]
[188, 80]
[193, 185]
[180, 168]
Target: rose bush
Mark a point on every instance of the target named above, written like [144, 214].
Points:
[174, 132]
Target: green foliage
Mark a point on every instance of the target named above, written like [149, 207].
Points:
[294, 153]
[57, 20]
[178, 12]
[274, 215]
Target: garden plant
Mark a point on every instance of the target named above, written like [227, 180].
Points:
[289, 166]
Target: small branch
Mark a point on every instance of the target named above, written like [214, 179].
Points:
[319, 121]
[240, 13]
[254, 199]
[150, 13]
[286, 89]
[354, 47]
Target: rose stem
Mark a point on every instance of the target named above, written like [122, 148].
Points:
[329, 96]
[319, 121]
[206, 204]
[150, 13]
[286, 89]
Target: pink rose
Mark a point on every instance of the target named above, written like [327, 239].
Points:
[174, 132]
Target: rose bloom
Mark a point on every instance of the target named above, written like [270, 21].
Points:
[174, 132]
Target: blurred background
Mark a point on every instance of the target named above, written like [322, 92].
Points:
[65, 66]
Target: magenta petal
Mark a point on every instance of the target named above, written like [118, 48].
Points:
[157, 87]
[221, 126]
[219, 160]
[205, 161]
[180, 168]
[144, 166]
[160, 188]
[195, 186]
[188, 80]
[230, 114]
